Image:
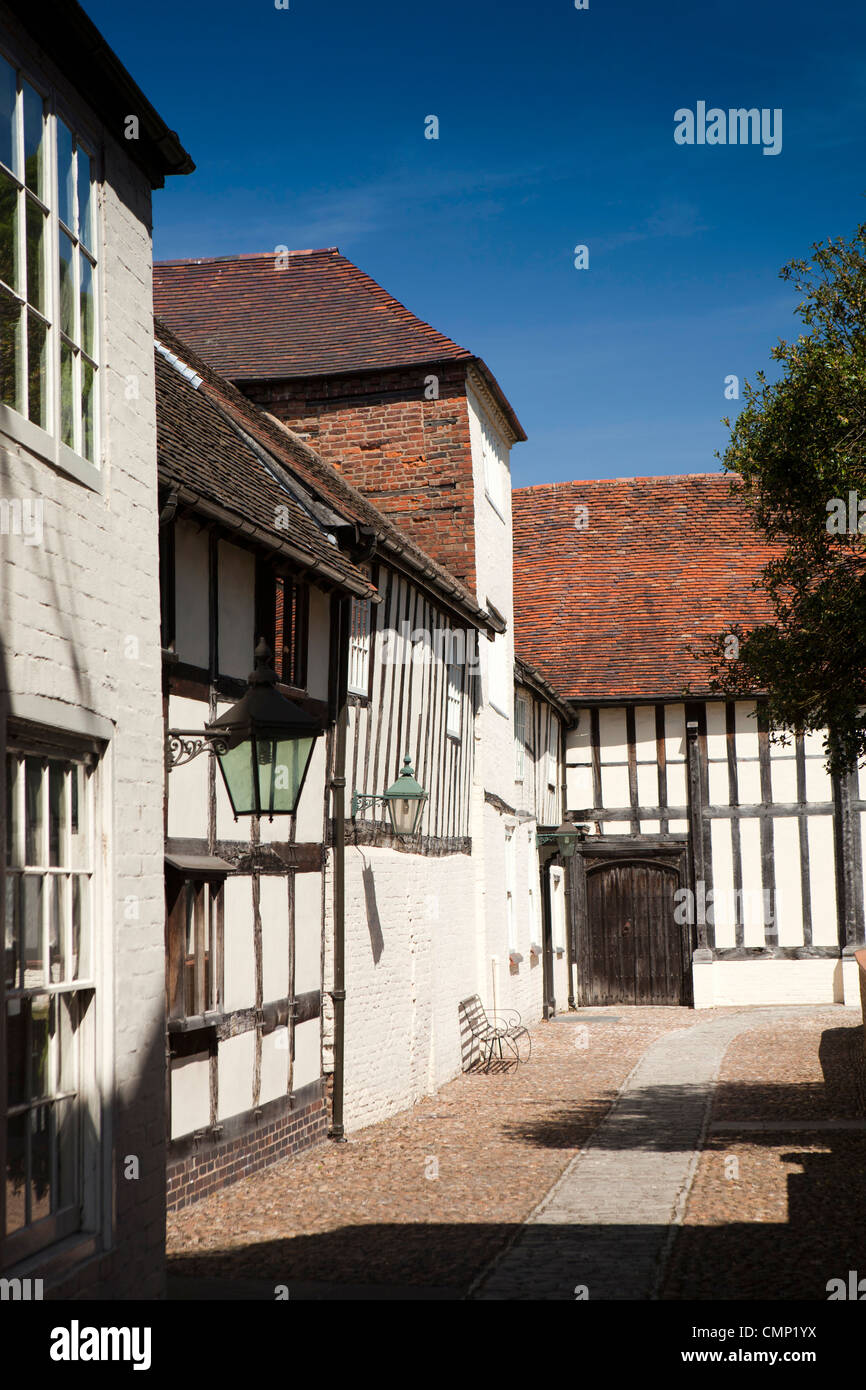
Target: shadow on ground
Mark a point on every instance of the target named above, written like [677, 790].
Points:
[822, 1239]
[652, 1117]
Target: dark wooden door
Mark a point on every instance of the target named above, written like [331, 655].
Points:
[633, 950]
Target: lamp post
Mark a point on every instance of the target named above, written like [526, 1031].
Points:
[404, 801]
[263, 745]
[564, 837]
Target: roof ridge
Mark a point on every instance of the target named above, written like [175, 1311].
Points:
[246, 256]
[642, 478]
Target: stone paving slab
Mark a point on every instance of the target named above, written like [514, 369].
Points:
[607, 1224]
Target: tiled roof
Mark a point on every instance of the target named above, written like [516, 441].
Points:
[317, 315]
[211, 468]
[610, 610]
[304, 464]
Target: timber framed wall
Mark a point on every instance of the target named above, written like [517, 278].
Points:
[409, 907]
[244, 1081]
[775, 846]
[406, 711]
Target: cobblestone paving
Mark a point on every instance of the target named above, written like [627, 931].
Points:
[574, 1170]
[363, 1216]
[605, 1229]
[777, 1207]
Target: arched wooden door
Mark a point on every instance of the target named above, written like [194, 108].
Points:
[631, 949]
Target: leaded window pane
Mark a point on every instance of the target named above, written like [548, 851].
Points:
[88, 411]
[16, 1051]
[88, 305]
[67, 396]
[10, 352]
[12, 932]
[37, 371]
[40, 1163]
[16, 1173]
[85, 200]
[9, 269]
[33, 812]
[42, 1020]
[56, 812]
[8, 144]
[80, 968]
[36, 224]
[34, 139]
[65, 177]
[57, 886]
[32, 886]
[67, 287]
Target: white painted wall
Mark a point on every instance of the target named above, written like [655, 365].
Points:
[318, 651]
[190, 1094]
[192, 616]
[80, 649]
[237, 588]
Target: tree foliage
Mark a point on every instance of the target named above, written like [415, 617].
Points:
[799, 448]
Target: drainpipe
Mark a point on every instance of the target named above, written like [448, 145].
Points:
[566, 875]
[338, 792]
[549, 1002]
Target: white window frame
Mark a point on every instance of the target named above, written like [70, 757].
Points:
[493, 462]
[360, 642]
[521, 710]
[82, 1071]
[48, 444]
[454, 701]
[552, 750]
[497, 670]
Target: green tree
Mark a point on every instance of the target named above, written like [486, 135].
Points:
[799, 450]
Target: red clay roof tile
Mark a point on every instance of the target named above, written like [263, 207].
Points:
[610, 610]
[317, 315]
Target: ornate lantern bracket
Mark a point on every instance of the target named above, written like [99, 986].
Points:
[182, 745]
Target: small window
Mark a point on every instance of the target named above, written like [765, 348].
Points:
[194, 930]
[552, 750]
[291, 613]
[494, 466]
[454, 701]
[519, 738]
[359, 645]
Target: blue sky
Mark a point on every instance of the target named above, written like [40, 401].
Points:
[556, 129]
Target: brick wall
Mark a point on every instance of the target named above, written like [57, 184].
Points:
[196, 1175]
[409, 455]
